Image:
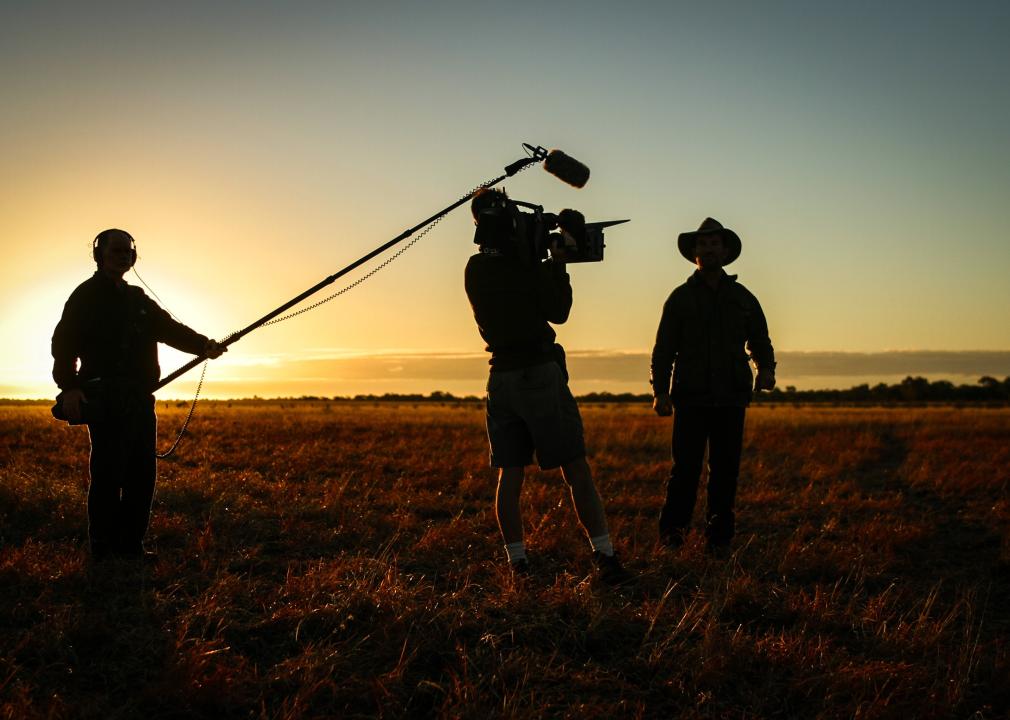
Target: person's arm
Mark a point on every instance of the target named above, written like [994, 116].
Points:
[181, 337]
[554, 291]
[66, 343]
[66, 349]
[759, 345]
[664, 354]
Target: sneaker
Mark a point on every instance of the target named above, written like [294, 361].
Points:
[520, 568]
[610, 570]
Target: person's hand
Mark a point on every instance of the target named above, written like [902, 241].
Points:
[72, 401]
[765, 379]
[214, 349]
[559, 250]
[663, 405]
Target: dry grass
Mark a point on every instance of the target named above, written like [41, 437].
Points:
[342, 560]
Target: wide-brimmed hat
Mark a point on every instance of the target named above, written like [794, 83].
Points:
[730, 240]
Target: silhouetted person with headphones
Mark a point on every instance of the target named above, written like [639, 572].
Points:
[113, 329]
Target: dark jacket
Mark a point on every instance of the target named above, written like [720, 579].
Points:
[702, 336]
[513, 302]
[114, 330]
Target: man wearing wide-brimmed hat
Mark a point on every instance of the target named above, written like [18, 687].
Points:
[708, 327]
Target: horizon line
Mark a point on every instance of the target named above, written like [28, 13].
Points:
[436, 394]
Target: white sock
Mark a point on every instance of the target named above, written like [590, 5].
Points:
[602, 544]
[516, 551]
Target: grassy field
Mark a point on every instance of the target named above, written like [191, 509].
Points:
[342, 560]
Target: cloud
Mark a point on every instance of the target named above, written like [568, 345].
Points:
[338, 372]
[912, 362]
[622, 368]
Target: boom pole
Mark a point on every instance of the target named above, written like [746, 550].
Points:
[510, 170]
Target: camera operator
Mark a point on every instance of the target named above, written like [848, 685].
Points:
[515, 296]
[113, 329]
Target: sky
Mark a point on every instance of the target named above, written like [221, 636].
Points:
[860, 150]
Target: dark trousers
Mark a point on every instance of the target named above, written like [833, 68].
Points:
[123, 469]
[721, 428]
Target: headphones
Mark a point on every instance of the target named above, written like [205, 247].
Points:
[102, 239]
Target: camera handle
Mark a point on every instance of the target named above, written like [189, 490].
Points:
[531, 206]
[537, 154]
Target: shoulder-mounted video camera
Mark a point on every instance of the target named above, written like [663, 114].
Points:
[534, 235]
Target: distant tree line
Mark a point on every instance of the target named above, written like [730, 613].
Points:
[987, 390]
[910, 390]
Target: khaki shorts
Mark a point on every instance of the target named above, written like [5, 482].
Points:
[532, 410]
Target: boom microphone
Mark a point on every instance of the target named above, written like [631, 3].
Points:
[566, 168]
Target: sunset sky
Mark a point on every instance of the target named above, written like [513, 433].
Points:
[861, 150]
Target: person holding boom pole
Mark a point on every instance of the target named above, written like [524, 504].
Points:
[113, 329]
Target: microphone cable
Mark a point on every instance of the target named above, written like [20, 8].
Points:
[160, 301]
[189, 416]
[203, 372]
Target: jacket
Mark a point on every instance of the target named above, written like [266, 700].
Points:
[705, 336]
[114, 330]
[513, 303]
